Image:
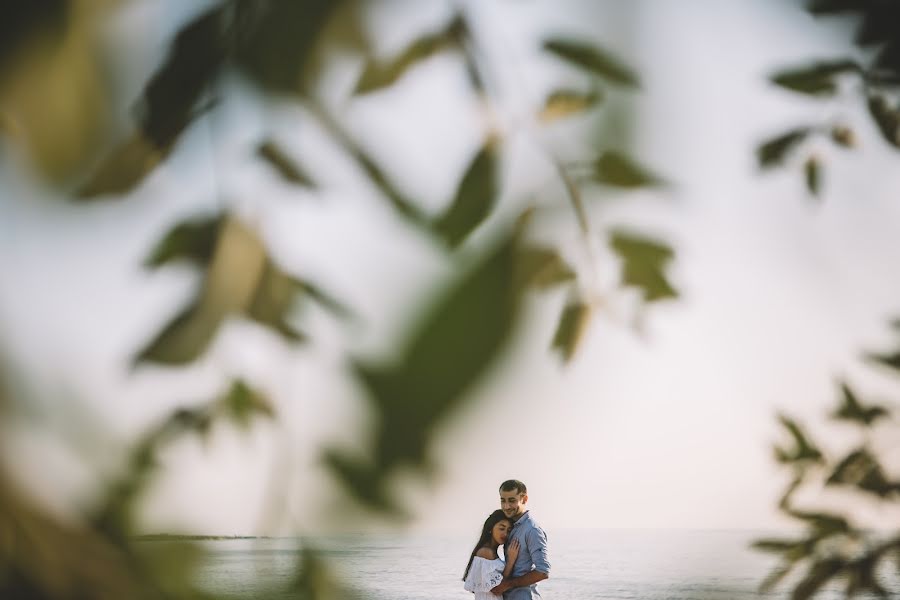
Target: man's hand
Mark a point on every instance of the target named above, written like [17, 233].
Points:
[504, 585]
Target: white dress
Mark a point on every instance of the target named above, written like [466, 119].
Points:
[484, 575]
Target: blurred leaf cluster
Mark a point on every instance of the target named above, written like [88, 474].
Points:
[834, 546]
[55, 96]
[874, 82]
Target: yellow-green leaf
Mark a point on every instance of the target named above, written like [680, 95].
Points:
[573, 325]
[613, 168]
[644, 262]
[565, 103]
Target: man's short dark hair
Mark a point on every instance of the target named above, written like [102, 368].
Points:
[513, 484]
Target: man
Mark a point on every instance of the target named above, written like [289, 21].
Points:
[532, 564]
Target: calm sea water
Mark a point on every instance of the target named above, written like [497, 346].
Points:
[608, 564]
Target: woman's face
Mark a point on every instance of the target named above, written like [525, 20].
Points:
[500, 532]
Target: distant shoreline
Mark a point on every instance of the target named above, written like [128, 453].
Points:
[172, 537]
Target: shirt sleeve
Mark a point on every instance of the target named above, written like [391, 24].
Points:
[537, 548]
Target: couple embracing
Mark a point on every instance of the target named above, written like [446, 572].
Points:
[524, 543]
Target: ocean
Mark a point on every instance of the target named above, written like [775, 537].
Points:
[604, 564]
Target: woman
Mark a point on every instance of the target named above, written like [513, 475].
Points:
[486, 569]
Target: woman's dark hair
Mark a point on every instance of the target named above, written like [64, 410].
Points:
[486, 532]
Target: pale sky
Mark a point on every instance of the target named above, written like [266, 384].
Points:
[667, 427]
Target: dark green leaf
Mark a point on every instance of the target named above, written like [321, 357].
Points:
[379, 75]
[174, 93]
[573, 324]
[564, 103]
[774, 151]
[803, 449]
[862, 577]
[816, 79]
[644, 263]
[193, 241]
[475, 197]
[364, 480]
[242, 404]
[852, 410]
[594, 59]
[817, 576]
[824, 7]
[612, 168]
[862, 470]
[891, 359]
[276, 40]
[823, 524]
[286, 167]
[776, 576]
[26, 21]
[812, 170]
[887, 117]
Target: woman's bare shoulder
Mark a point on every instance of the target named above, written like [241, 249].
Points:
[486, 553]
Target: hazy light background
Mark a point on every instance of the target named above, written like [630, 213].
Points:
[670, 426]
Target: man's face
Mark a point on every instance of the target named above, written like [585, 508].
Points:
[512, 503]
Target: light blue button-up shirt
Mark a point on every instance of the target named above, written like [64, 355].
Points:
[532, 556]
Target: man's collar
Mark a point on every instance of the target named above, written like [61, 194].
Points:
[526, 516]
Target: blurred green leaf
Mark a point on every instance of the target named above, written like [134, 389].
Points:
[183, 339]
[193, 241]
[886, 115]
[851, 409]
[803, 449]
[823, 524]
[275, 40]
[565, 103]
[316, 581]
[229, 287]
[458, 339]
[862, 470]
[544, 267]
[364, 480]
[174, 94]
[612, 168]
[377, 75]
[475, 197]
[774, 151]
[775, 576]
[644, 263]
[889, 359]
[815, 79]
[172, 99]
[861, 577]
[817, 576]
[123, 169]
[25, 21]
[594, 59]
[789, 549]
[843, 136]
[275, 296]
[824, 7]
[243, 404]
[573, 325]
[812, 170]
[285, 167]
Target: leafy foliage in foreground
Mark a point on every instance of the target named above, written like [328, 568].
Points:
[833, 547]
